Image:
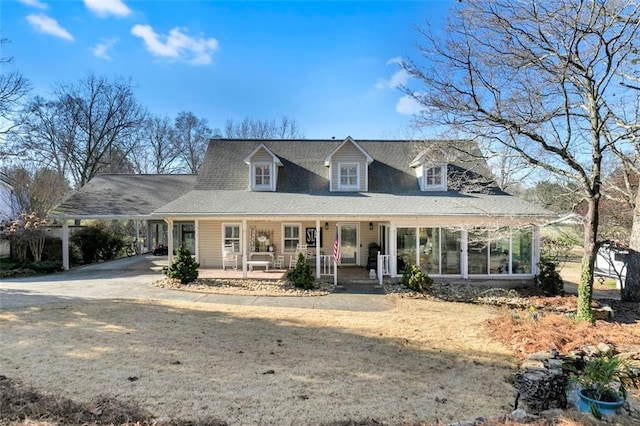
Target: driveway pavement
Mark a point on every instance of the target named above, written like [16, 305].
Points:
[131, 278]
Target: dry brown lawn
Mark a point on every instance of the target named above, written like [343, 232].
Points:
[420, 361]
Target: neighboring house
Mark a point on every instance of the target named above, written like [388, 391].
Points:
[611, 262]
[430, 203]
[7, 211]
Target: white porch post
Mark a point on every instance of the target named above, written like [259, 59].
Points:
[169, 241]
[65, 244]
[243, 239]
[393, 250]
[196, 223]
[535, 249]
[136, 224]
[318, 249]
[464, 254]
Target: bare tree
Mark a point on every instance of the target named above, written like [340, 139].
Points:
[541, 78]
[509, 169]
[249, 128]
[191, 135]
[156, 152]
[34, 191]
[13, 87]
[86, 129]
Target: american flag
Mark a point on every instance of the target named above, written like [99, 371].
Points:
[336, 248]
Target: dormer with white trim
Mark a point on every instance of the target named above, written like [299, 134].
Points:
[348, 167]
[263, 169]
[432, 176]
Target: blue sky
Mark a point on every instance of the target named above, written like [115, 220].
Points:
[332, 66]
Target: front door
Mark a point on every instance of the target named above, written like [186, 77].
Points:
[348, 243]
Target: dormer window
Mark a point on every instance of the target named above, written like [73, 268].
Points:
[263, 169]
[435, 178]
[348, 167]
[262, 176]
[349, 176]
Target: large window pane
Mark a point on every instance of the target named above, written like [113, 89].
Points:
[522, 251]
[499, 251]
[406, 246]
[430, 250]
[450, 251]
[478, 252]
[184, 235]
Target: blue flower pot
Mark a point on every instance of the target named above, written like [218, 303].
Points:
[605, 408]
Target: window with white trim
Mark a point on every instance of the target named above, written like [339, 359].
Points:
[348, 176]
[231, 237]
[434, 178]
[290, 237]
[262, 176]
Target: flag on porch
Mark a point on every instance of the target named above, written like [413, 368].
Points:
[336, 248]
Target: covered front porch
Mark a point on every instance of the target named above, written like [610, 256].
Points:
[443, 248]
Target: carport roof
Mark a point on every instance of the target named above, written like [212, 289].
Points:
[123, 196]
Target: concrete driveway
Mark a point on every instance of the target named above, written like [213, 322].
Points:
[131, 278]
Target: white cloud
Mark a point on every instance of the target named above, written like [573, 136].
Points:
[108, 7]
[400, 78]
[177, 45]
[48, 25]
[35, 3]
[101, 50]
[407, 105]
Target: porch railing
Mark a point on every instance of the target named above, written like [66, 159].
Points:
[326, 264]
[383, 266]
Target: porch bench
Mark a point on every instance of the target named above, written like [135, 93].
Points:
[252, 263]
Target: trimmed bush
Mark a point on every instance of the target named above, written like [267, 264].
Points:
[549, 280]
[45, 266]
[96, 243]
[183, 268]
[414, 279]
[301, 276]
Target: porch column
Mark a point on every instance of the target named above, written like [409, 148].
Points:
[196, 224]
[243, 239]
[535, 242]
[318, 249]
[136, 224]
[393, 250]
[147, 238]
[464, 254]
[169, 240]
[65, 244]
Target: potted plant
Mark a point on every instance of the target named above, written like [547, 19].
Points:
[602, 384]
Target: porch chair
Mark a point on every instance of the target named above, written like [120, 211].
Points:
[300, 248]
[278, 262]
[229, 258]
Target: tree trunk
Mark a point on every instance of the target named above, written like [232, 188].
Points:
[630, 291]
[585, 287]
[634, 238]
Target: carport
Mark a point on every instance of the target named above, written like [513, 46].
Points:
[120, 197]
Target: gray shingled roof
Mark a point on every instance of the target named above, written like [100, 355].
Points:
[222, 186]
[124, 195]
[304, 169]
[245, 203]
